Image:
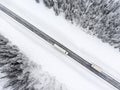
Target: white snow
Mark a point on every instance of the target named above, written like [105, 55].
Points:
[65, 69]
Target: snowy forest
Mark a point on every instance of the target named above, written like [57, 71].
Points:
[98, 17]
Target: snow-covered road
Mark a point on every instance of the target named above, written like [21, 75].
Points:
[65, 69]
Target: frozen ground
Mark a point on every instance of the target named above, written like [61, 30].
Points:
[66, 70]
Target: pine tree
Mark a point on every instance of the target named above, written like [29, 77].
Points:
[38, 1]
[49, 3]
